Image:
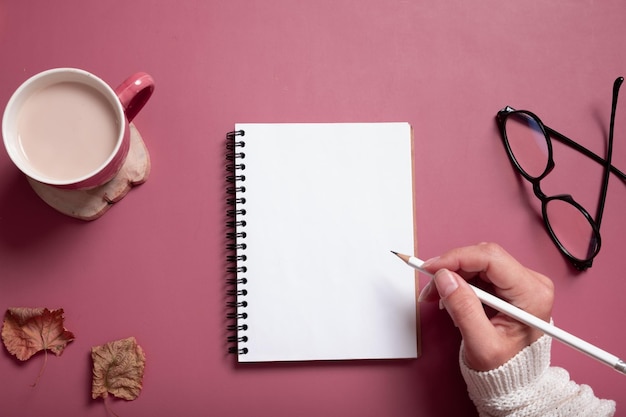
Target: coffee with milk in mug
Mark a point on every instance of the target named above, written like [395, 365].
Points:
[67, 130]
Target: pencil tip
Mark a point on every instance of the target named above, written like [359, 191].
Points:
[405, 258]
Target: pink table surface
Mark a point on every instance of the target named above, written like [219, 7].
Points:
[153, 266]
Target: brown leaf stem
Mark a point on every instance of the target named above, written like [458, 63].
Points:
[43, 367]
[107, 406]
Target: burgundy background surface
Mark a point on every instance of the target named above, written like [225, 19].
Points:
[153, 266]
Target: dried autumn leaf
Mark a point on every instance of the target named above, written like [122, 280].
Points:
[26, 331]
[118, 369]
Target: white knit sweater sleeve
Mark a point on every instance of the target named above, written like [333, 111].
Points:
[527, 386]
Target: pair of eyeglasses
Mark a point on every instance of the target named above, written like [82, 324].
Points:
[529, 147]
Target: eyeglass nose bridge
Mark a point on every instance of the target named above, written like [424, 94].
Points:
[538, 192]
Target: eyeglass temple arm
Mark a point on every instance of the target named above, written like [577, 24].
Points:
[609, 152]
[565, 140]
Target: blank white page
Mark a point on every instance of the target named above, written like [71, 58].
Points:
[324, 205]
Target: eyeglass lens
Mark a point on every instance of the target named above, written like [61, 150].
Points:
[528, 143]
[568, 224]
[571, 228]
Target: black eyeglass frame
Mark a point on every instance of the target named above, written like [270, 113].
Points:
[596, 240]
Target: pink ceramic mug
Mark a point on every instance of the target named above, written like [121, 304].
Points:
[67, 128]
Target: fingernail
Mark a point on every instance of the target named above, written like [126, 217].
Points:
[429, 261]
[425, 291]
[446, 283]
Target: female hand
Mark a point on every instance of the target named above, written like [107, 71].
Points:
[488, 341]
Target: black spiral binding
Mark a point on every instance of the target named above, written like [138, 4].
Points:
[235, 236]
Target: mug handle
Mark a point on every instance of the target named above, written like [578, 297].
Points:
[134, 92]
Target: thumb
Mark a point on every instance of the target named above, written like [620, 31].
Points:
[464, 308]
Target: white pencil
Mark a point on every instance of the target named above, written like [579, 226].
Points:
[533, 321]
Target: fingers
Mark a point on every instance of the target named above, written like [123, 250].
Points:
[523, 287]
[485, 347]
[488, 260]
[463, 306]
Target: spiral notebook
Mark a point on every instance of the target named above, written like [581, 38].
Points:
[314, 210]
